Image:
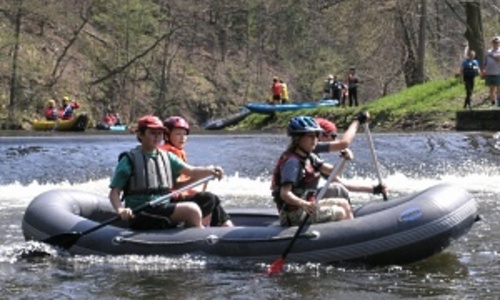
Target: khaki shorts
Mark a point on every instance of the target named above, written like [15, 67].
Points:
[329, 210]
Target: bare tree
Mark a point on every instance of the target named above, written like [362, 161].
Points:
[15, 60]
[474, 31]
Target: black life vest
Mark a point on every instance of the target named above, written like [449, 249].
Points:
[150, 175]
[309, 176]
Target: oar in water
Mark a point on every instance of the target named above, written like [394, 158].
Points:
[66, 240]
[374, 156]
[277, 266]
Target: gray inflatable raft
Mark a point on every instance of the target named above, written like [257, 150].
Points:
[397, 231]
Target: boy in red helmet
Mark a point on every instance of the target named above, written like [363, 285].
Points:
[147, 172]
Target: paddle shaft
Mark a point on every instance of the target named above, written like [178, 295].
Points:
[318, 197]
[374, 155]
[150, 203]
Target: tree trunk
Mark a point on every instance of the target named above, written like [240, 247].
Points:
[474, 32]
[15, 61]
[422, 38]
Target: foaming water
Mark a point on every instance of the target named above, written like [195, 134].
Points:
[409, 163]
[245, 189]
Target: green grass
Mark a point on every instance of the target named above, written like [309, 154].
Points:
[429, 106]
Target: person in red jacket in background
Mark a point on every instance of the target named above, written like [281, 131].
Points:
[51, 112]
[175, 140]
[66, 110]
[276, 91]
[109, 119]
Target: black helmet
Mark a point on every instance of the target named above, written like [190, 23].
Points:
[301, 125]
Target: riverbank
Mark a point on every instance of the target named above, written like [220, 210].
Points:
[432, 106]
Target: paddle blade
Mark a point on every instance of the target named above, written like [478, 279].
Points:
[64, 240]
[276, 267]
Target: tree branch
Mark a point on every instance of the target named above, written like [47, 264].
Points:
[119, 69]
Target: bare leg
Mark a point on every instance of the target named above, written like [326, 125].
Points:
[188, 212]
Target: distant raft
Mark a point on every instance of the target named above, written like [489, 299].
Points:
[401, 230]
[267, 108]
[229, 121]
[78, 123]
[101, 126]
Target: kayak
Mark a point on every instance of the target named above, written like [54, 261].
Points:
[401, 230]
[78, 123]
[267, 108]
[229, 121]
[101, 126]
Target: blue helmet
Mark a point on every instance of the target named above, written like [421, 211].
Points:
[301, 125]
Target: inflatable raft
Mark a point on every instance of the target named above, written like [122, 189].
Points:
[78, 123]
[267, 108]
[397, 231]
[229, 121]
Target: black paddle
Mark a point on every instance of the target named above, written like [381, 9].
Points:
[374, 156]
[277, 266]
[66, 240]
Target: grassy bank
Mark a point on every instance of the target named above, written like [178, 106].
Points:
[430, 106]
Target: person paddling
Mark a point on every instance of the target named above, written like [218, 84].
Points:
[175, 141]
[328, 142]
[51, 113]
[296, 177]
[66, 111]
[145, 173]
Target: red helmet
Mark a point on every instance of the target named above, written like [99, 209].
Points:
[176, 122]
[149, 121]
[327, 126]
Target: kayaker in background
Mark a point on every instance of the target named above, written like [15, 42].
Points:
[118, 119]
[296, 177]
[328, 143]
[51, 112]
[67, 108]
[147, 172]
[175, 141]
[109, 120]
[276, 90]
[284, 92]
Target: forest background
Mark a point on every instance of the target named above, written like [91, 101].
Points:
[204, 59]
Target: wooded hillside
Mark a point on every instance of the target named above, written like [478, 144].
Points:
[206, 58]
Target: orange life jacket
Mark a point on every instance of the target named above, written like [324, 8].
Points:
[182, 155]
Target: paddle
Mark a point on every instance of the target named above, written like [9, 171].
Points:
[66, 240]
[55, 125]
[374, 156]
[277, 266]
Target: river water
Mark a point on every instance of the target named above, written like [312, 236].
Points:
[469, 269]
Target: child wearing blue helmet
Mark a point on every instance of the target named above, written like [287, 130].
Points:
[296, 177]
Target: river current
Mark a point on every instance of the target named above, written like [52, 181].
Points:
[410, 162]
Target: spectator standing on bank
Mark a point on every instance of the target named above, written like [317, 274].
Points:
[352, 85]
[491, 69]
[276, 89]
[336, 88]
[284, 92]
[468, 71]
[327, 87]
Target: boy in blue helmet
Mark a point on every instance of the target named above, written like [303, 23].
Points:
[296, 177]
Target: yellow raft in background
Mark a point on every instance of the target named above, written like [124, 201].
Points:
[79, 123]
